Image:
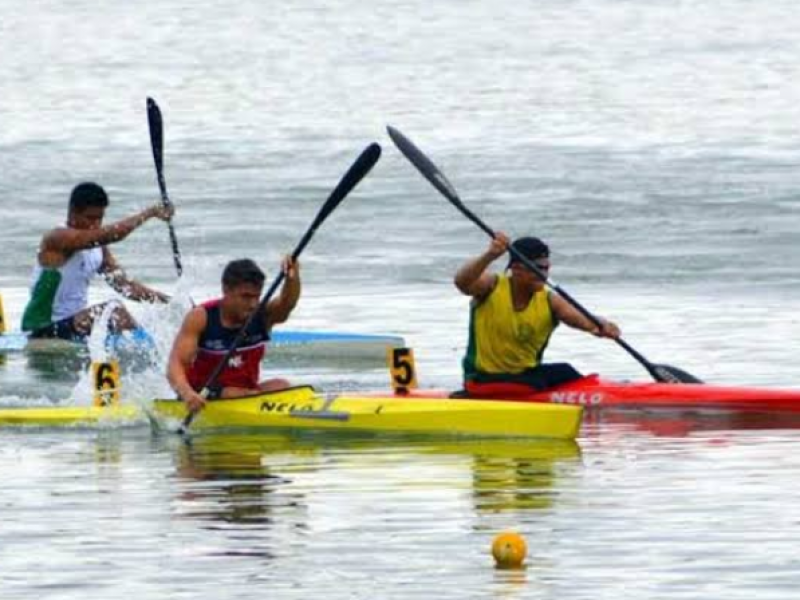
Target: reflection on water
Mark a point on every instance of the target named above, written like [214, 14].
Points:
[108, 451]
[246, 510]
[511, 583]
[518, 478]
[236, 486]
[682, 422]
[247, 479]
[57, 366]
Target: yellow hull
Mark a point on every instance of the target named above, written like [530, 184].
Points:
[69, 415]
[303, 409]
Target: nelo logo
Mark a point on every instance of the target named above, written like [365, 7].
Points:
[582, 398]
[285, 407]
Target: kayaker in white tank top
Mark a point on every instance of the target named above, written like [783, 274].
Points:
[72, 294]
[71, 256]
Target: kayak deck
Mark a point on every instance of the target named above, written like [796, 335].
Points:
[302, 408]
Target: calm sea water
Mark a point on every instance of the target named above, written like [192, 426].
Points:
[653, 144]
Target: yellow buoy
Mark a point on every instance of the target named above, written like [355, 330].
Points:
[509, 550]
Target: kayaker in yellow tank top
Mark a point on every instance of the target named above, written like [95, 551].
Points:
[512, 316]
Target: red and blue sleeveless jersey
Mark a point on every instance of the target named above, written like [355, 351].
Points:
[244, 364]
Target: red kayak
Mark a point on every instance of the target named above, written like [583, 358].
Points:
[592, 392]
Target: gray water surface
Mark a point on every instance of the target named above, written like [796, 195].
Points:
[652, 144]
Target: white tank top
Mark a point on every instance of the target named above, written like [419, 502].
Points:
[77, 273]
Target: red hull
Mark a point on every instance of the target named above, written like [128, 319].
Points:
[595, 393]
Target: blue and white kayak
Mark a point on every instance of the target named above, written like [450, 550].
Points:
[18, 341]
[316, 344]
[332, 344]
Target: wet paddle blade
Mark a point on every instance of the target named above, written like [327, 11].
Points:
[156, 125]
[423, 164]
[670, 374]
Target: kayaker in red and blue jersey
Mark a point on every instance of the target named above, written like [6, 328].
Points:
[208, 332]
[71, 256]
[512, 316]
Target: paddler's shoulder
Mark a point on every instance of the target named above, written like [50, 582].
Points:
[487, 287]
[54, 247]
[68, 240]
[196, 319]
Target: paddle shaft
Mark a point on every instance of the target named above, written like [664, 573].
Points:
[655, 372]
[261, 306]
[434, 175]
[354, 175]
[157, 143]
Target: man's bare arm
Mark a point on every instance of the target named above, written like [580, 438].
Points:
[184, 350]
[116, 277]
[60, 243]
[279, 309]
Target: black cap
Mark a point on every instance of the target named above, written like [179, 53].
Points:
[87, 194]
[531, 248]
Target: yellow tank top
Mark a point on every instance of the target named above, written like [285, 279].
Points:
[503, 340]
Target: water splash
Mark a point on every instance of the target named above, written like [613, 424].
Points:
[142, 353]
[81, 394]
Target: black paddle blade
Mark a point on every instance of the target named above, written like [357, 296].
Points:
[432, 173]
[423, 164]
[661, 373]
[670, 374]
[156, 124]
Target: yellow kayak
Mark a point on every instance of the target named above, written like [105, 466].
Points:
[70, 415]
[302, 408]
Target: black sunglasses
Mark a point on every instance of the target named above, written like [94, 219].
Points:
[539, 266]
